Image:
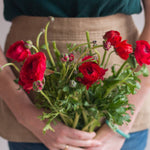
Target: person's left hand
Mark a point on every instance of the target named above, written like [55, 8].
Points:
[109, 139]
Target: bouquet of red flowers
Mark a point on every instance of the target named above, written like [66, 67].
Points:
[74, 89]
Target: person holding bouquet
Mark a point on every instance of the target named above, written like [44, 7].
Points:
[20, 124]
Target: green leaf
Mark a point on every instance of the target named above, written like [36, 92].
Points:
[43, 46]
[16, 80]
[131, 60]
[86, 104]
[145, 71]
[66, 89]
[99, 91]
[48, 127]
[48, 64]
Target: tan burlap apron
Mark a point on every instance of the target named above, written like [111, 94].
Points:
[66, 30]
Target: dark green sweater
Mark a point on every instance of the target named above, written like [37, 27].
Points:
[69, 8]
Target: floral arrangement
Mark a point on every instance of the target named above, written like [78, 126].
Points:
[74, 89]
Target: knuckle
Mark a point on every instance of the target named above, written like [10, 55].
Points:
[58, 140]
[62, 132]
[90, 143]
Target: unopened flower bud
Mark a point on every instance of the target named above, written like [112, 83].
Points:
[28, 44]
[43, 30]
[73, 83]
[107, 45]
[38, 85]
[94, 43]
[51, 18]
[65, 58]
[71, 57]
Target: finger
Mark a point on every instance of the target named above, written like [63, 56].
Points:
[68, 147]
[82, 135]
[95, 148]
[52, 148]
[82, 143]
[104, 133]
[74, 148]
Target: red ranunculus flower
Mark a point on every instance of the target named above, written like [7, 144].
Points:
[18, 51]
[88, 57]
[123, 49]
[142, 52]
[32, 70]
[112, 37]
[91, 73]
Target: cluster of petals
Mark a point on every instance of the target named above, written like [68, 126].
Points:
[142, 52]
[122, 48]
[91, 72]
[18, 52]
[32, 70]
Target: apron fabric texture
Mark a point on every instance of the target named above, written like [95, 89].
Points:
[66, 30]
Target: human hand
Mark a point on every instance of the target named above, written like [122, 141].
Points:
[62, 136]
[109, 139]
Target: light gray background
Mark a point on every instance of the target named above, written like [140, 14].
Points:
[4, 27]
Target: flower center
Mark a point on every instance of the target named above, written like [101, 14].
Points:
[89, 71]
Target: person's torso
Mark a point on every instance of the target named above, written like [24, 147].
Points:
[69, 8]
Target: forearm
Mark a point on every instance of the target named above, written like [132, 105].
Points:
[16, 100]
[146, 31]
[144, 93]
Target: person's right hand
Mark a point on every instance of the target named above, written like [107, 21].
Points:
[62, 136]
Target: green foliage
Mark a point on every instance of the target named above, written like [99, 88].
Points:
[83, 109]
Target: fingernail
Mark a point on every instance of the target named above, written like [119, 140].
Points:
[93, 133]
[98, 143]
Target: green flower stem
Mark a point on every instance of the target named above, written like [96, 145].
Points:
[49, 101]
[63, 70]
[84, 113]
[80, 58]
[47, 46]
[78, 46]
[88, 41]
[108, 59]
[11, 64]
[87, 95]
[63, 118]
[76, 120]
[38, 39]
[75, 65]
[114, 86]
[88, 125]
[66, 72]
[57, 52]
[66, 119]
[35, 48]
[121, 68]
[92, 127]
[99, 56]
[104, 56]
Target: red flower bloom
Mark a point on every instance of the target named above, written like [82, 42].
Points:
[87, 57]
[123, 49]
[91, 73]
[112, 37]
[142, 52]
[32, 70]
[18, 51]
